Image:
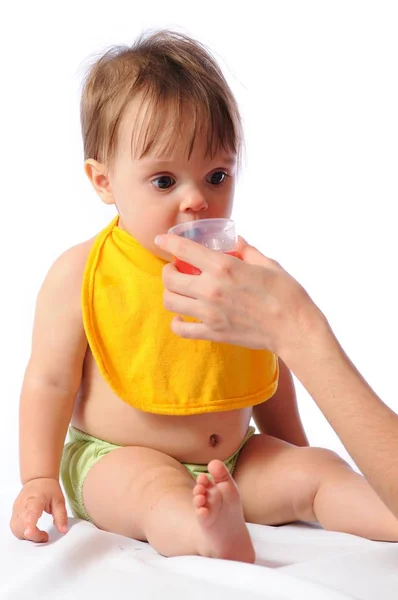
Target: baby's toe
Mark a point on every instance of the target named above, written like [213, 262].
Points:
[219, 471]
[199, 489]
[203, 479]
[199, 501]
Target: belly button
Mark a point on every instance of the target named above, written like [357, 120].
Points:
[214, 440]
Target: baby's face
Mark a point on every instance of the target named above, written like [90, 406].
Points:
[154, 193]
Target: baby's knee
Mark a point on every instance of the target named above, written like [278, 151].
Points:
[323, 456]
[316, 463]
[163, 480]
[313, 466]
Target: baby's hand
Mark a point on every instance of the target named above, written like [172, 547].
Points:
[38, 496]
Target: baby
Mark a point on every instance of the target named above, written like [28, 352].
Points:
[160, 444]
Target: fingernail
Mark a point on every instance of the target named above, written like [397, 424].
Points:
[157, 240]
[26, 532]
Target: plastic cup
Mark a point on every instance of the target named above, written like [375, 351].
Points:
[216, 234]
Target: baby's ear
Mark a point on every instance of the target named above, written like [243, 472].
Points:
[98, 175]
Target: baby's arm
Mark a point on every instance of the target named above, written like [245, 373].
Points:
[279, 416]
[49, 390]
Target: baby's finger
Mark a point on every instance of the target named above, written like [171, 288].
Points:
[17, 527]
[60, 515]
[33, 510]
[34, 534]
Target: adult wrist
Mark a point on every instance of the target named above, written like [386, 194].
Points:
[311, 340]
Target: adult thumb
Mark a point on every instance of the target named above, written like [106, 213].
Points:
[251, 255]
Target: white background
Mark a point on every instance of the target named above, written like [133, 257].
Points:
[317, 86]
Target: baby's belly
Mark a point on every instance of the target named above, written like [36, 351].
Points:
[193, 438]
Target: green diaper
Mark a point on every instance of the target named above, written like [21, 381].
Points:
[82, 452]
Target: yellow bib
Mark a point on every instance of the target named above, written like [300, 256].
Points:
[146, 365]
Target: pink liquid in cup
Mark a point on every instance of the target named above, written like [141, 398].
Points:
[216, 234]
[188, 269]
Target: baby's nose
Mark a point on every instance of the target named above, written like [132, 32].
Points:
[194, 200]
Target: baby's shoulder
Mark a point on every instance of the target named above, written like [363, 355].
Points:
[66, 273]
[75, 258]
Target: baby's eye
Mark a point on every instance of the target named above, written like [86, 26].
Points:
[163, 182]
[217, 177]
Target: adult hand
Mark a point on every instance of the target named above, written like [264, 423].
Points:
[251, 302]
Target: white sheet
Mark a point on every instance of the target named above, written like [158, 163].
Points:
[293, 561]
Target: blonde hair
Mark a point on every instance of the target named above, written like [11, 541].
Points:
[173, 76]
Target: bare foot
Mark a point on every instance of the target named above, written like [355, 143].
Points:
[220, 517]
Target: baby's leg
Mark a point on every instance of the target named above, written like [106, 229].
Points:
[144, 494]
[281, 483]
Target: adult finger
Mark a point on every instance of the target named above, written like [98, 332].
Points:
[191, 252]
[180, 283]
[182, 305]
[251, 255]
[194, 331]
